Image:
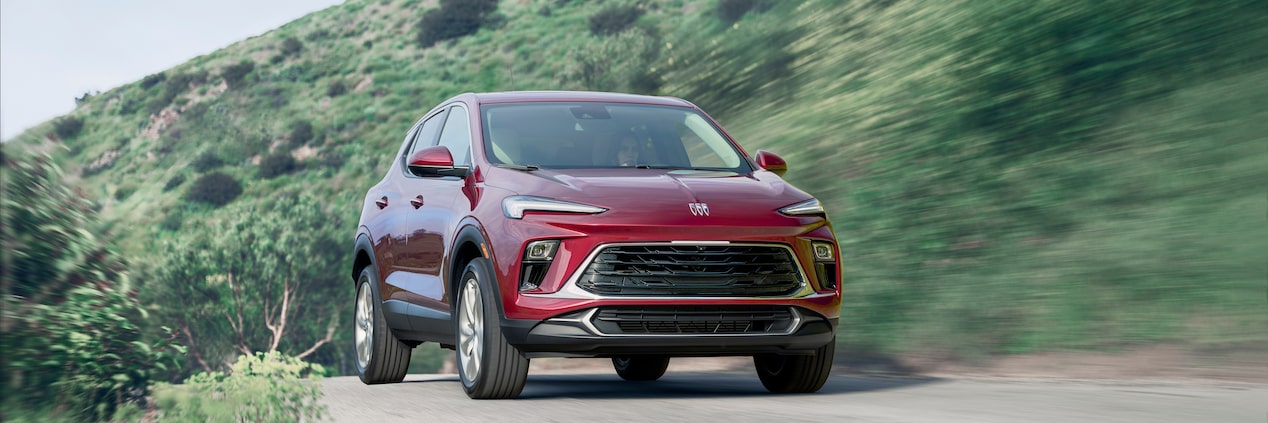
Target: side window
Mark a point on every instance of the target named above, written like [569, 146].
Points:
[457, 136]
[426, 135]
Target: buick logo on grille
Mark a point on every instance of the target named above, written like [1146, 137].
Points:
[698, 209]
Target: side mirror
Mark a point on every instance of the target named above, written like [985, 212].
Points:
[434, 161]
[772, 162]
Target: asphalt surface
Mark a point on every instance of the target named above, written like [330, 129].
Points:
[739, 397]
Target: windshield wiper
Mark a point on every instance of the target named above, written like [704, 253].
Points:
[663, 166]
[525, 168]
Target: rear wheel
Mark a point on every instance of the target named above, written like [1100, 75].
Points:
[795, 373]
[640, 368]
[490, 368]
[381, 358]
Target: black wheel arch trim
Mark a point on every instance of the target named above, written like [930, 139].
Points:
[471, 233]
[363, 245]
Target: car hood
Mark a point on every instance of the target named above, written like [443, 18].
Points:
[651, 190]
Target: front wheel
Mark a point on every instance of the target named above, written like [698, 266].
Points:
[381, 358]
[640, 368]
[490, 368]
[795, 373]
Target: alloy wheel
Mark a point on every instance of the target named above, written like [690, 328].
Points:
[364, 326]
[471, 331]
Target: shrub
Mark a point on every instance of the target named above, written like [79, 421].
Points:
[207, 160]
[277, 164]
[616, 63]
[265, 387]
[291, 45]
[124, 191]
[83, 99]
[173, 220]
[730, 11]
[318, 35]
[333, 161]
[68, 127]
[454, 19]
[336, 88]
[235, 73]
[301, 132]
[614, 19]
[152, 80]
[173, 87]
[215, 188]
[176, 181]
[128, 106]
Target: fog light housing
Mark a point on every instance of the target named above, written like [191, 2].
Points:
[537, 258]
[541, 250]
[823, 251]
[825, 264]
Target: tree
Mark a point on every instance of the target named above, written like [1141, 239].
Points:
[258, 278]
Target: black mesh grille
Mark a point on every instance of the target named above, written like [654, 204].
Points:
[693, 320]
[704, 270]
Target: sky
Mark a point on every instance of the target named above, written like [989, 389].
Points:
[52, 51]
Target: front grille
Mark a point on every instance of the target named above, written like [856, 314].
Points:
[692, 270]
[693, 320]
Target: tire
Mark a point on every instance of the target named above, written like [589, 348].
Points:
[489, 367]
[380, 357]
[640, 368]
[795, 373]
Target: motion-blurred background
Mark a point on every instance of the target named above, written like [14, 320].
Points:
[1006, 178]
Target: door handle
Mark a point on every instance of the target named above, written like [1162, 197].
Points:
[382, 202]
[417, 201]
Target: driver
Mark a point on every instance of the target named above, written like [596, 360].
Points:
[627, 154]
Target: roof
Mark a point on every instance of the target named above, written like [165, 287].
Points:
[576, 96]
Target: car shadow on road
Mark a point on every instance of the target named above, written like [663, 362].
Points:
[693, 385]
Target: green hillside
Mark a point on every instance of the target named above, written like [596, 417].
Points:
[1005, 177]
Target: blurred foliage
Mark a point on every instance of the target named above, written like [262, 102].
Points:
[71, 330]
[731, 68]
[1015, 177]
[261, 387]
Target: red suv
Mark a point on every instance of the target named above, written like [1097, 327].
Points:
[576, 224]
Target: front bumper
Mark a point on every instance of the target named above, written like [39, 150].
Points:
[574, 335]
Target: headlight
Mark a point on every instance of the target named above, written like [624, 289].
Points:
[810, 206]
[515, 206]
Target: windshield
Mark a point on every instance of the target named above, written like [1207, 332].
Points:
[605, 135]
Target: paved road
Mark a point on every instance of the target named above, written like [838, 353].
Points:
[739, 397]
